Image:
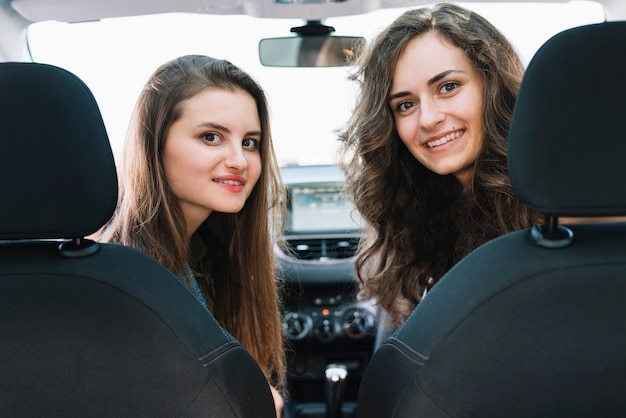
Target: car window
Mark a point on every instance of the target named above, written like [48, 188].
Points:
[116, 56]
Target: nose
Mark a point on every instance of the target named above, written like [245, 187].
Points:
[235, 158]
[430, 114]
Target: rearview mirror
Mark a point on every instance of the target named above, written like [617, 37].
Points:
[309, 51]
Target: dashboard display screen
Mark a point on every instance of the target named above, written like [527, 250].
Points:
[320, 208]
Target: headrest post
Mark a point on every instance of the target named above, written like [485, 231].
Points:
[551, 223]
[551, 234]
[78, 247]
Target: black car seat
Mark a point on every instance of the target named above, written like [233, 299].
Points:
[533, 324]
[90, 329]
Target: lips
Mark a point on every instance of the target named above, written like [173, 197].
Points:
[444, 140]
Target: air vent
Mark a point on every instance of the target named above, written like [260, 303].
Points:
[322, 248]
[306, 249]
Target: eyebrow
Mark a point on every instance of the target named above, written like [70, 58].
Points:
[439, 76]
[225, 129]
[430, 82]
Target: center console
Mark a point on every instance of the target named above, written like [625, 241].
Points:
[331, 333]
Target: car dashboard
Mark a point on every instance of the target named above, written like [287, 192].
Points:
[325, 323]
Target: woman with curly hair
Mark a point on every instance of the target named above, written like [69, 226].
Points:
[425, 150]
[201, 193]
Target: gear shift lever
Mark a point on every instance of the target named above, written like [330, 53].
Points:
[336, 375]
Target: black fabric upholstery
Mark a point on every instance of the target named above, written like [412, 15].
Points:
[104, 332]
[517, 329]
[566, 144]
[58, 178]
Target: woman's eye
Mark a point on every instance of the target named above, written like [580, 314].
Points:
[404, 106]
[448, 87]
[210, 137]
[250, 144]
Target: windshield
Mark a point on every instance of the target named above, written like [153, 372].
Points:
[116, 56]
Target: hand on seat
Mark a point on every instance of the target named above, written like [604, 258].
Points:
[278, 402]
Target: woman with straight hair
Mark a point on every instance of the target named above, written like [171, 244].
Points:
[201, 193]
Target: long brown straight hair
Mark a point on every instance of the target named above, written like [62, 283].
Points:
[237, 275]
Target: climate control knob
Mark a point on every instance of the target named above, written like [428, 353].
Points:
[297, 325]
[358, 322]
[326, 329]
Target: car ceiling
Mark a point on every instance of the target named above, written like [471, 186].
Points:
[87, 10]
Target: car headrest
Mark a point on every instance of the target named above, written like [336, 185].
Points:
[57, 171]
[567, 143]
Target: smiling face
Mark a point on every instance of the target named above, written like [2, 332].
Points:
[211, 155]
[437, 104]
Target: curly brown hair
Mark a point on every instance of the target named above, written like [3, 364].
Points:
[419, 223]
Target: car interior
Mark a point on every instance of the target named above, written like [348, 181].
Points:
[530, 324]
[526, 325]
[331, 332]
[88, 328]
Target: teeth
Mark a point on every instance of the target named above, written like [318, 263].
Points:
[231, 183]
[443, 140]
